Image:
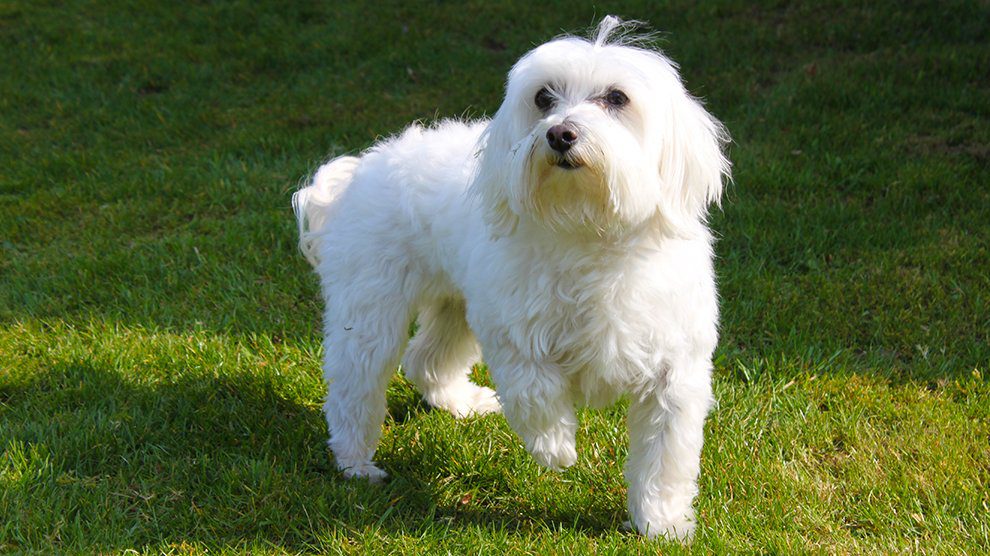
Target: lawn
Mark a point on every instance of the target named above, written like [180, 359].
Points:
[159, 332]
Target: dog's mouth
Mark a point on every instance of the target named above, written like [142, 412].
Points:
[568, 164]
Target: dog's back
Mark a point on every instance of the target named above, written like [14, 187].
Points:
[415, 176]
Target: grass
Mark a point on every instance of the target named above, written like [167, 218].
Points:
[159, 333]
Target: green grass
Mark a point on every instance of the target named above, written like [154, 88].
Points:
[159, 332]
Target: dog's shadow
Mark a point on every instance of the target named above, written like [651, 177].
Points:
[475, 472]
[224, 461]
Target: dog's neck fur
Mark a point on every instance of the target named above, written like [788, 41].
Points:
[619, 238]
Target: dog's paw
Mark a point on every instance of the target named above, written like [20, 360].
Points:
[680, 529]
[367, 471]
[480, 401]
[465, 400]
[553, 452]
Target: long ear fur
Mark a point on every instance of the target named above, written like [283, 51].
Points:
[492, 181]
[692, 164]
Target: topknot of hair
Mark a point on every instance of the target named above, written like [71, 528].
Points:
[613, 30]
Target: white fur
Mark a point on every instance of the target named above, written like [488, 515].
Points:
[581, 285]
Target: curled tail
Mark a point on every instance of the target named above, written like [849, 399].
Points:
[313, 203]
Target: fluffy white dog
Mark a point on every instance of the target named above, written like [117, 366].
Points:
[566, 236]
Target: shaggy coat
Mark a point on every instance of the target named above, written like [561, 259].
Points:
[564, 239]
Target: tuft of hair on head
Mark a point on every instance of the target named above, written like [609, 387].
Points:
[613, 30]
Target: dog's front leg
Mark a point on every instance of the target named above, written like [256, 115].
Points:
[538, 406]
[666, 428]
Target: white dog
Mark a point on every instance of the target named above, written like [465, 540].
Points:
[566, 236]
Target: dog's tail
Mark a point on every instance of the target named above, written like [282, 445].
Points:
[313, 204]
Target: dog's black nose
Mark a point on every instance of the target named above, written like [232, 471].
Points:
[562, 137]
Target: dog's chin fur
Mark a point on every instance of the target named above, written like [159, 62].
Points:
[582, 282]
[570, 199]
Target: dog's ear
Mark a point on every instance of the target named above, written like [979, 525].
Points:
[491, 187]
[692, 164]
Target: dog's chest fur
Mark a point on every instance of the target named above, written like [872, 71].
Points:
[608, 317]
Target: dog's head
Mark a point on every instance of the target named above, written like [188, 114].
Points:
[599, 135]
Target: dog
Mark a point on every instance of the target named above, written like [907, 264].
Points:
[565, 239]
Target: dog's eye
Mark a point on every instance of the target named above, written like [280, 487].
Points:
[544, 99]
[616, 98]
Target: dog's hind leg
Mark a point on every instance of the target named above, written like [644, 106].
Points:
[439, 359]
[364, 335]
